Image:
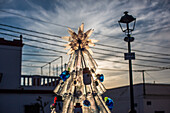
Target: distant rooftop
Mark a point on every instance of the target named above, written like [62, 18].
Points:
[149, 84]
[15, 42]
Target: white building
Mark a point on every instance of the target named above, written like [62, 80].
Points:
[34, 94]
[155, 100]
[22, 93]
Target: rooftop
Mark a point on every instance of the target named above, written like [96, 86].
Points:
[15, 42]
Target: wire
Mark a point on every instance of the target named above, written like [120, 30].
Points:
[47, 34]
[134, 50]
[149, 32]
[107, 36]
[136, 54]
[162, 62]
[31, 66]
[95, 58]
[96, 44]
[28, 54]
[153, 45]
[98, 52]
[32, 35]
[94, 52]
[139, 41]
[151, 76]
[133, 63]
[152, 30]
[132, 70]
[149, 70]
[111, 69]
[34, 61]
[156, 61]
[34, 45]
[152, 57]
[104, 59]
[92, 47]
[35, 19]
[45, 48]
[38, 51]
[75, 28]
[50, 62]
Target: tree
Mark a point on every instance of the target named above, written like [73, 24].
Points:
[80, 87]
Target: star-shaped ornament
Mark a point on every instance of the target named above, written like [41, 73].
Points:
[80, 40]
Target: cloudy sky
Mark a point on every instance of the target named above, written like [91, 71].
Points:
[151, 45]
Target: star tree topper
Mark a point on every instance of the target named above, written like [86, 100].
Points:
[80, 40]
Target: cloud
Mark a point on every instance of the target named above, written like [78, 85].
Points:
[103, 17]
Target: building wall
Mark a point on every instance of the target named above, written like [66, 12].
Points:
[14, 96]
[157, 94]
[157, 104]
[157, 98]
[15, 103]
[10, 66]
[158, 89]
[120, 98]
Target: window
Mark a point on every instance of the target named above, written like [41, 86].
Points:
[32, 108]
[148, 103]
[1, 77]
[135, 104]
[159, 111]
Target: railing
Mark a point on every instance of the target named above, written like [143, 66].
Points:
[37, 80]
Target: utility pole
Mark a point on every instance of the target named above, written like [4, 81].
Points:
[49, 68]
[53, 70]
[143, 77]
[61, 64]
[49, 63]
[41, 71]
[57, 70]
[143, 72]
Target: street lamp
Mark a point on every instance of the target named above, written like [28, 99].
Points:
[127, 25]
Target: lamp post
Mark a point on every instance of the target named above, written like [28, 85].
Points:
[127, 21]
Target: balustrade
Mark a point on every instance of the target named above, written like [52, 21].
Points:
[36, 80]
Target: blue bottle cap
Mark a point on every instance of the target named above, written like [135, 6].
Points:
[86, 103]
[65, 75]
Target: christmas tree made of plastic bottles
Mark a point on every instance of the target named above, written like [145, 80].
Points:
[80, 87]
